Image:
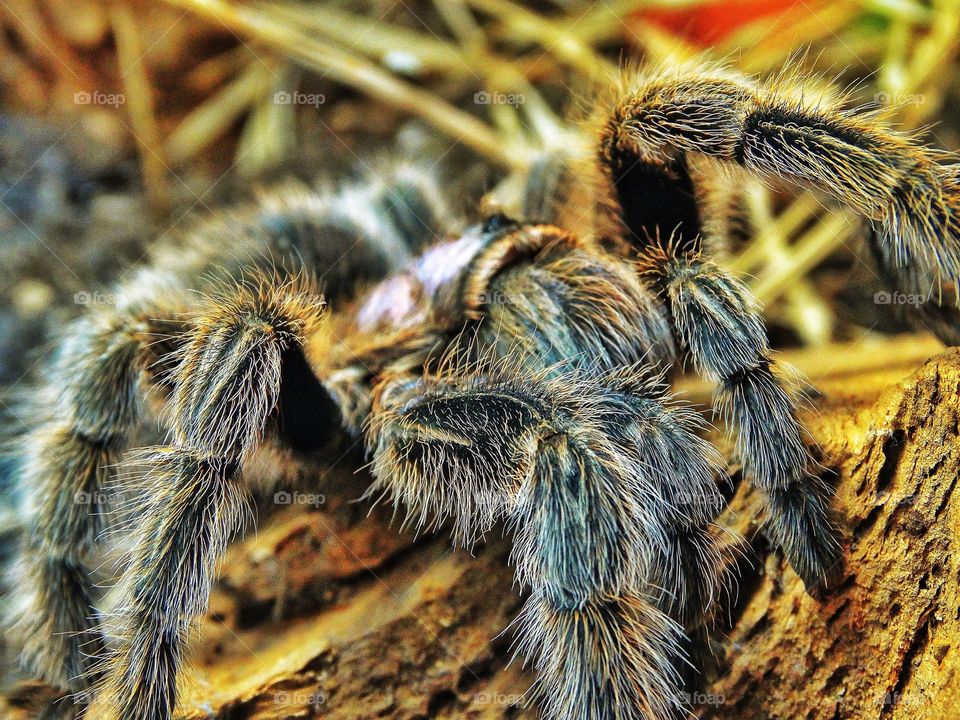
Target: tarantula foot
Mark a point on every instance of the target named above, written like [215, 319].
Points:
[809, 539]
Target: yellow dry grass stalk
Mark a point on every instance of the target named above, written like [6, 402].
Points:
[139, 104]
[207, 122]
[351, 69]
[917, 41]
[503, 46]
[905, 48]
[906, 74]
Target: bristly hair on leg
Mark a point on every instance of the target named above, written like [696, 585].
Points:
[577, 464]
[778, 133]
[718, 323]
[82, 420]
[227, 389]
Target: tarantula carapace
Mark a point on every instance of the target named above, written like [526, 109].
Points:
[506, 371]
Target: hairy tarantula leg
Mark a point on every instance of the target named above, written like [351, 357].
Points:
[350, 235]
[85, 412]
[928, 311]
[411, 198]
[576, 465]
[590, 310]
[892, 181]
[227, 388]
[645, 423]
[718, 322]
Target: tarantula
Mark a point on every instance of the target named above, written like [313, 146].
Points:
[508, 370]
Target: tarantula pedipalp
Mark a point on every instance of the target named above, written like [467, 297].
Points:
[513, 371]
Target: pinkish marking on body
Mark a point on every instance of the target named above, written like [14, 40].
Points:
[402, 299]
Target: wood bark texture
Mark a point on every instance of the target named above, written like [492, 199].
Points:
[330, 612]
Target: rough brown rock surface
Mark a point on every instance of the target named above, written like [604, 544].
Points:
[326, 612]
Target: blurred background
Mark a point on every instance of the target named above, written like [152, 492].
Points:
[121, 121]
